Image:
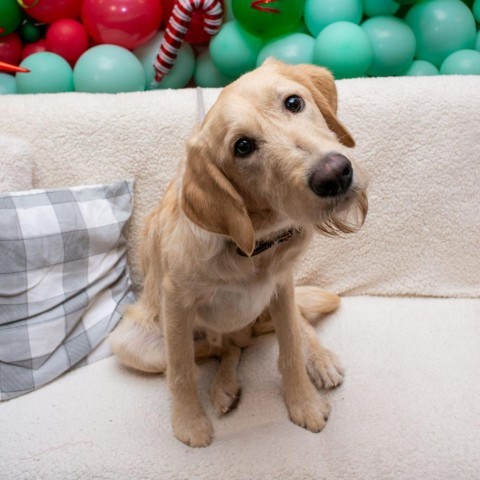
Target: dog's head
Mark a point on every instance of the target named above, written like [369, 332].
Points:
[272, 154]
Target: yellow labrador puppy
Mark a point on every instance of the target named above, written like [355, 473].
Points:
[269, 166]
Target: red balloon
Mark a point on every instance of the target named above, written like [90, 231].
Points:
[127, 23]
[10, 49]
[48, 11]
[67, 38]
[35, 47]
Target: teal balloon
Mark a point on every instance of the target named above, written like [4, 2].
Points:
[207, 75]
[108, 69]
[441, 28]
[234, 51]
[393, 45]
[477, 43]
[463, 62]
[228, 9]
[476, 10]
[320, 13]
[373, 8]
[7, 84]
[293, 49]
[181, 72]
[345, 49]
[421, 68]
[49, 73]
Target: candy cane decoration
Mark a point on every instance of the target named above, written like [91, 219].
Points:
[177, 28]
[12, 68]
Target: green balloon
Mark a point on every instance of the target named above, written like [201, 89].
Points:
[477, 42]
[393, 45]
[7, 84]
[10, 16]
[293, 49]
[462, 62]
[345, 49]
[29, 32]
[320, 13]
[441, 28]
[372, 8]
[108, 69]
[49, 73]
[234, 51]
[268, 19]
[207, 75]
[421, 68]
[476, 10]
[181, 72]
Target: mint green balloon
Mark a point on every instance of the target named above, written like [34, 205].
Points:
[476, 10]
[393, 45]
[49, 73]
[463, 62]
[181, 72]
[234, 51]
[320, 13]
[7, 84]
[477, 43]
[108, 69]
[441, 28]
[421, 68]
[207, 75]
[293, 49]
[345, 49]
[372, 8]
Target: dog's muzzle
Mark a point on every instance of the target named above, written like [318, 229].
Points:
[331, 176]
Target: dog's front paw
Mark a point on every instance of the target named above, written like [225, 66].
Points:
[193, 429]
[310, 412]
[324, 369]
[225, 394]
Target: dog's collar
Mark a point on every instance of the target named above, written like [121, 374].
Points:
[262, 246]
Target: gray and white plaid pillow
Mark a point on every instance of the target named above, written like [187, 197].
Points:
[63, 279]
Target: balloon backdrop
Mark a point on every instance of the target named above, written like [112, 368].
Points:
[29, 32]
[35, 47]
[48, 11]
[10, 49]
[7, 84]
[207, 75]
[421, 68]
[372, 8]
[68, 38]
[293, 49]
[462, 62]
[10, 16]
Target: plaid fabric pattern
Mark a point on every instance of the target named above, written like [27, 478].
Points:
[63, 279]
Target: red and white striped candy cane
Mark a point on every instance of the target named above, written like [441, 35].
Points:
[177, 28]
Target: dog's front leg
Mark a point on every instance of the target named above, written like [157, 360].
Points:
[190, 423]
[305, 405]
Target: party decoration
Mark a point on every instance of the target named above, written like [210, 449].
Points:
[345, 49]
[49, 73]
[207, 75]
[293, 49]
[35, 47]
[7, 84]
[320, 13]
[178, 76]
[7, 67]
[477, 42]
[268, 18]
[67, 38]
[421, 68]
[10, 16]
[441, 27]
[10, 49]
[108, 69]
[49, 11]
[372, 8]
[476, 10]
[30, 32]
[178, 26]
[234, 51]
[462, 62]
[393, 45]
[126, 23]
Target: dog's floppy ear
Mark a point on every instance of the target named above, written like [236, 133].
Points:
[211, 201]
[321, 83]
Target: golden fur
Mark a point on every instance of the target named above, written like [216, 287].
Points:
[195, 279]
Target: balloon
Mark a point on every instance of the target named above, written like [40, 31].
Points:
[10, 49]
[108, 69]
[462, 62]
[126, 23]
[49, 73]
[67, 38]
[345, 49]
[476, 10]
[441, 27]
[477, 43]
[7, 84]
[234, 51]
[10, 16]
[393, 45]
[320, 13]
[293, 49]
[421, 68]
[29, 32]
[268, 19]
[181, 72]
[48, 11]
[207, 75]
[35, 47]
[372, 8]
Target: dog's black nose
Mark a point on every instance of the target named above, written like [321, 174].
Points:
[331, 176]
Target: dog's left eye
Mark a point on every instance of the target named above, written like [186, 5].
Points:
[294, 104]
[244, 147]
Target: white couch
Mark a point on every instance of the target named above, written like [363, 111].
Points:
[408, 330]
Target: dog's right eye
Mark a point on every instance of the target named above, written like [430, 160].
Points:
[244, 147]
